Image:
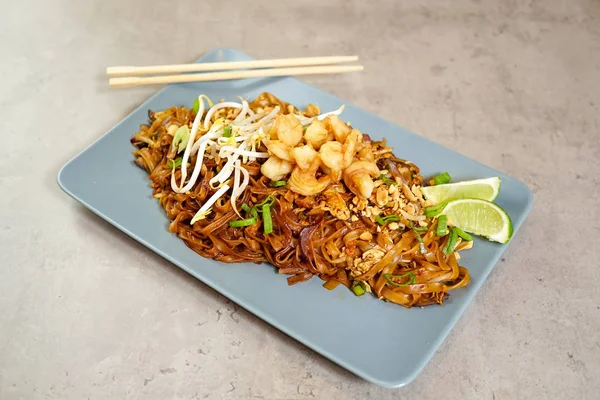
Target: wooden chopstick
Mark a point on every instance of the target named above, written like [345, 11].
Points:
[129, 81]
[220, 66]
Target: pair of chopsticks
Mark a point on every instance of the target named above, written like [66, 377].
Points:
[125, 76]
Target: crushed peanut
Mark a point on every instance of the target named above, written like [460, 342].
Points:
[366, 236]
[362, 204]
[408, 194]
[172, 129]
[374, 211]
[410, 208]
[417, 192]
[382, 196]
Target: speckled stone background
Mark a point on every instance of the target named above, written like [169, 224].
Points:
[86, 312]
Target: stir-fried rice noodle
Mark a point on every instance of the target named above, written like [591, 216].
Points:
[336, 187]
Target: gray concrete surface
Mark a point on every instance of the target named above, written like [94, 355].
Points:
[85, 312]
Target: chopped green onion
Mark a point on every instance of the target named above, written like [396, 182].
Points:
[420, 228]
[263, 207]
[387, 180]
[463, 234]
[442, 226]
[358, 287]
[227, 131]
[279, 183]
[174, 163]
[412, 278]
[196, 105]
[181, 137]
[269, 200]
[242, 222]
[451, 243]
[442, 178]
[422, 248]
[389, 218]
[267, 221]
[251, 210]
[436, 210]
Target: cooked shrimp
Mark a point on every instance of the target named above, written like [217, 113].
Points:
[312, 110]
[305, 182]
[304, 155]
[366, 153]
[358, 177]
[317, 134]
[338, 127]
[280, 149]
[353, 140]
[288, 129]
[333, 158]
[275, 168]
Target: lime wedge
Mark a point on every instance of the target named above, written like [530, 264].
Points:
[480, 217]
[484, 189]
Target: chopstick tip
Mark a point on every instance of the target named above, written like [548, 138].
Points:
[126, 81]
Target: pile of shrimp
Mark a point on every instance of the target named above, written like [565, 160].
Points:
[318, 155]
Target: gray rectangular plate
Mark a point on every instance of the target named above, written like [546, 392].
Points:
[104, 178]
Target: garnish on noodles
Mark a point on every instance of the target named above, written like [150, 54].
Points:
[263, 181]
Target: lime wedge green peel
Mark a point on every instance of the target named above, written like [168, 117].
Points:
[484, 189]
[480, 217]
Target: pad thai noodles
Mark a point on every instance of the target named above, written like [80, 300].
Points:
[263, 181]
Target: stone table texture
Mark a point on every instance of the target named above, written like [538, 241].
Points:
[87, 313]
